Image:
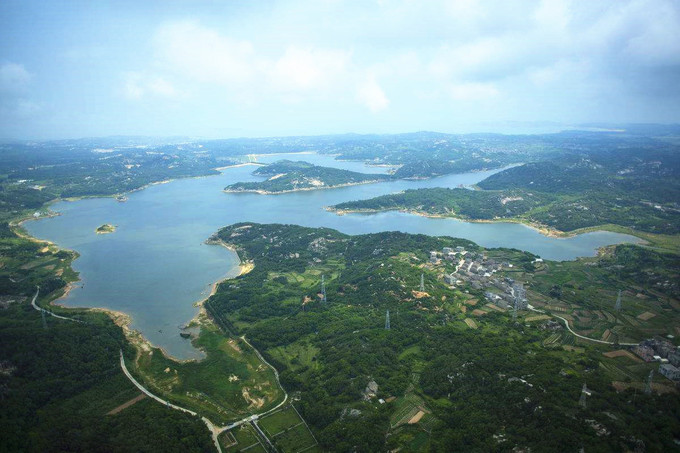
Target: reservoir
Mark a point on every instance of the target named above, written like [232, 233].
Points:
[156, 265]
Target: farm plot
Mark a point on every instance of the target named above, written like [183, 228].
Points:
[242, 438]
[288, 431]
[407, 409]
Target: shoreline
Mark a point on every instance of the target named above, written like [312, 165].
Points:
[304, 189]
[245, 164]
[142, 344]
[542, 229]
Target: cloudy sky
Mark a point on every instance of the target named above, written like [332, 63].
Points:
[257, 68]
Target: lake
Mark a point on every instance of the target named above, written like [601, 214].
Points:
[156, 265]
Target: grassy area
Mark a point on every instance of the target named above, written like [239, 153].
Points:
[280, 421]
[230, 383]
[294, 440]
[298, 355]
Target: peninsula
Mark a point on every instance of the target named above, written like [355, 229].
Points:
[290, 176]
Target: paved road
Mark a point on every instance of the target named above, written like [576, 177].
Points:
[214, 429]
[47, 311]
[566, 323]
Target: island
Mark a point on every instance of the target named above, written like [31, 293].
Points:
[105, 229]
[290, 176]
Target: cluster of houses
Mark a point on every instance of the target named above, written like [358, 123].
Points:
[663, 351]
[479, 272]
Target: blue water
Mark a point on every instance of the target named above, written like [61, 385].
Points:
[156, 265]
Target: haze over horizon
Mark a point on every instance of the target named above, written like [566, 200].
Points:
[231, 69]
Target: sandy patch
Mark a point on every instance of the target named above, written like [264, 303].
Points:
[416, 418]
[621, 353]
[646, 316]
[253, 401]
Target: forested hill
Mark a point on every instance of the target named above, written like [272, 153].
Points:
[478, 380]
[288, 176]
[638, 189]
[464, 203]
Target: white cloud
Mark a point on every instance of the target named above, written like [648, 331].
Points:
[509, 54]
[137, 85]
[304, 69]
[472, 91]
[372, 95]
[203, 54]
[13, 77]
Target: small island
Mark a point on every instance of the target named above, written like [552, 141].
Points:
[105, 229]
[289, 176]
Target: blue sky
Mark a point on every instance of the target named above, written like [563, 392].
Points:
[246, 68]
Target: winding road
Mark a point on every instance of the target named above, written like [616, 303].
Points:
[566, 323]
[47, 311]
[214, 429]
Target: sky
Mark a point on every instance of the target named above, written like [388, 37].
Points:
[219, 69]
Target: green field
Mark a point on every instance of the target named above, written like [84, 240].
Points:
[279, 421]
[230, 383]
[296, 439]
[244, 436]
[287, 431]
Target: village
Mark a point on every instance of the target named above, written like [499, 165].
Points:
[482, 273]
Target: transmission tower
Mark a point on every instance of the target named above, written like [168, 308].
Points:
[323, 289]
[584, 393]
[387, 320]
[422, 283]
[617, 307]
[648, 383]
[42, 312]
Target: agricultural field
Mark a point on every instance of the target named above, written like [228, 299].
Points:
[585, 292]
[241, 438]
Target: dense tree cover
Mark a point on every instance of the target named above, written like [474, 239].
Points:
[472, 204]
[428, 168]
[288, 175]
[58, 383]
[471, 380]
[637, 188]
